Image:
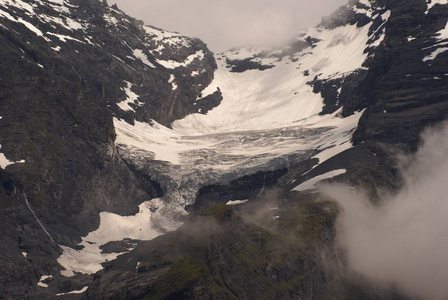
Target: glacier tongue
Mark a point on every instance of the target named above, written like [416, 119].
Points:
[182, 164]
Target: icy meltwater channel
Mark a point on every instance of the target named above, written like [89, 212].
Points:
[266, 120]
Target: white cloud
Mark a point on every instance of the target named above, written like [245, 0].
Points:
[226, 24]
[404, 241]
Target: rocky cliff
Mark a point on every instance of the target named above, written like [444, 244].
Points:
[67, 68]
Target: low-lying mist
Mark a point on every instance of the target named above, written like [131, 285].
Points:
[404, 241]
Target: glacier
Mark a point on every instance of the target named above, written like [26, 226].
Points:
[268, 118]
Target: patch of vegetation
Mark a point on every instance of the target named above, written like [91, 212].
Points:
[219, 212]
[260, 257]
[286, 287]
[251, 253]
[317, 217]
[177, 282]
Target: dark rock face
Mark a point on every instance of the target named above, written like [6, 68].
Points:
[401, 88]
[251, 186]
[406, 92]
[240, 66]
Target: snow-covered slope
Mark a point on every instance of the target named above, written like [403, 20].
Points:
[282, 94]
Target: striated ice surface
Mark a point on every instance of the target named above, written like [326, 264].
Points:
[182, 164]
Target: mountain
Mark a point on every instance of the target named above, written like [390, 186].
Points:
[119, 137]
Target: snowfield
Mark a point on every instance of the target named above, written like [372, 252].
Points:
[112, 228]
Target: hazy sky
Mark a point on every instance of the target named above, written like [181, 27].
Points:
[226, 24]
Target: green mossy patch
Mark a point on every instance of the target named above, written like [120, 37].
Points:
[316, 218]
[177, 282]
[219, 211]
[229, 253]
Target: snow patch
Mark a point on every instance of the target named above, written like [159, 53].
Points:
[165, 38]
[365, 2]
[338, 139]
[131, 98]
[443, 33]
[42, 279]
[19, 4]
[66, 23]
[4, 162]
[311, 184]
[385, 16]
[242, 53]
[434, 54]
[64, 38]
[81, 291]
[172, 64]
[431, 3]
[30, 27]
[172, 81]
[161, 141]
[236, 202]
[142, 56]
[59, 2]
[110, 19]
[112, 227]
[27, 24]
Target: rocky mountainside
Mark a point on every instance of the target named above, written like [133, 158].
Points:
[67, 68]
[115, 132]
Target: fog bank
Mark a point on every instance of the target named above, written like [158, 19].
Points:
[404, 241]
[232, 23]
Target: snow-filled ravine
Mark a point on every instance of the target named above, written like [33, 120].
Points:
[266, 120]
